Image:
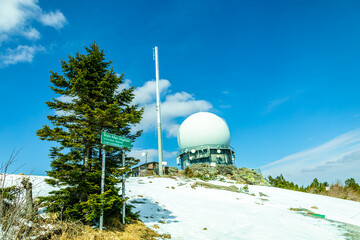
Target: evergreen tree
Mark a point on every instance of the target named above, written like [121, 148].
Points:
[351, 183]
[91, 102]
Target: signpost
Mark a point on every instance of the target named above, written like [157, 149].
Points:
[114, 141]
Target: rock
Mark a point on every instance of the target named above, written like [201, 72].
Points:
[250, 177]
[166, 235]
[263, 194]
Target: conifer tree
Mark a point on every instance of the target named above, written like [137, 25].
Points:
[90, 103]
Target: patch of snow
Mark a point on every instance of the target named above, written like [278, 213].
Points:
[201, 213]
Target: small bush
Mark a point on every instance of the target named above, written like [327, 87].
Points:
[188, 172]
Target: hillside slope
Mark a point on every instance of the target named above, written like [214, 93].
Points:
[175, 206]
[264, 213]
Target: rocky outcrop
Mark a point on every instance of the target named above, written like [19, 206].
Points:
[250, 177]
[241, 175]
[172, 171]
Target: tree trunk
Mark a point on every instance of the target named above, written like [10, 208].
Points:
[87, 157]
[2, 207]
[29, 200]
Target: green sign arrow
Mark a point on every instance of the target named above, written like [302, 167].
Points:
[115, 140]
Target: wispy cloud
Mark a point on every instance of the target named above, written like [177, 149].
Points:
[16, 18]
[19, 54]
[225, 106]
[275, 103]
[338, 158]
[31, 34]
[353, 157]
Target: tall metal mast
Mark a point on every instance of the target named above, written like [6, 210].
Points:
[160, 148]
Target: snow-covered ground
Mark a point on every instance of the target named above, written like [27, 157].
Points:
[40, 187]
[201, 213]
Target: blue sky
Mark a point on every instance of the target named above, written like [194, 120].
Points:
[283, 74]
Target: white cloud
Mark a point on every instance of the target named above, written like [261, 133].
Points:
[66, 99]
[123, 86]
[54, 19]
[16, 23]
[19, 54]
[152, 155]
[336, 159]
[147, 93]
[176, 105]
[15, 13]
[32, 34]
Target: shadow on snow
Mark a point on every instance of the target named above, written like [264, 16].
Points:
[151, 211]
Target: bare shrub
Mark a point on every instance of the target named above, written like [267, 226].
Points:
[16, 214]
[339, 191]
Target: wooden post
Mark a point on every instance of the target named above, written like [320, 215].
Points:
[29, 200]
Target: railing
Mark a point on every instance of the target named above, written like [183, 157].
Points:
[210, 146]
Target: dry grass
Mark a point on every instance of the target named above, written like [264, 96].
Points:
[77, 231]
[339, 191]
[231, 188]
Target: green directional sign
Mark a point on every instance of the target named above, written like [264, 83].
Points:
[115, 140]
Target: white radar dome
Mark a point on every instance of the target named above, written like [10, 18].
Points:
[203, 128]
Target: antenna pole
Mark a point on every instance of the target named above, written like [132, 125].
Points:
[160, 148]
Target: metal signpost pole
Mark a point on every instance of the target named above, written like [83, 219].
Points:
[120, 142]
[102, 187]
[123, 187]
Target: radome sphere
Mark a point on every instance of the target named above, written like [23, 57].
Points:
[203, 128]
